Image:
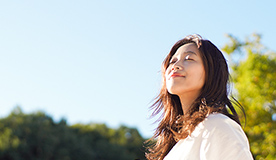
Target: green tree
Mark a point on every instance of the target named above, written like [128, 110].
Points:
[253, 74]
[36, 136]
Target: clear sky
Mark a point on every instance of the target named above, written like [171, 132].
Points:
[99, 61]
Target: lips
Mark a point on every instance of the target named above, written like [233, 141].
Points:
[176, 75]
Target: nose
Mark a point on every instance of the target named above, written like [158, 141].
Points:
[176, 67]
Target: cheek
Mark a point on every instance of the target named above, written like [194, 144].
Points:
[202, 76]
[197, 76]
[167, 73]
[202, 72]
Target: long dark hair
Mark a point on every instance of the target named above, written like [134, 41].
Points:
[213, 98]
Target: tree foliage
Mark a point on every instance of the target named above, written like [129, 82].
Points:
[253, 74]
[37, 137]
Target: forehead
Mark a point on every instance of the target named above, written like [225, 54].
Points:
[187, 48]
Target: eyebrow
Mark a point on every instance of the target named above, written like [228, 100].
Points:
[191, 52]
[187, 52]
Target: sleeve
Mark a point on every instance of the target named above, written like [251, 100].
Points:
[224, 139]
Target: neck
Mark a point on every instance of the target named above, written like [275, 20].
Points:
[187, 100]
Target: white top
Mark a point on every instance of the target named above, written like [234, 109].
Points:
[216, 138]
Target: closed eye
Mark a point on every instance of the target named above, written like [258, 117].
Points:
[172, 61]
[188, 58]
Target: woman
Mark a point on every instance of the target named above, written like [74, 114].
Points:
[198, 120]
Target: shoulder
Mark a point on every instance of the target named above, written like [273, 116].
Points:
[223, 137]
[219, 118]
[220, 125]
[217, 124]
[220, 122]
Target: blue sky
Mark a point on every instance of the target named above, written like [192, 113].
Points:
[99, 61]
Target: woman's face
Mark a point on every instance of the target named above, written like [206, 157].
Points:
[185, 73]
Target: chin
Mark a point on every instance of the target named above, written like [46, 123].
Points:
[173, 91]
